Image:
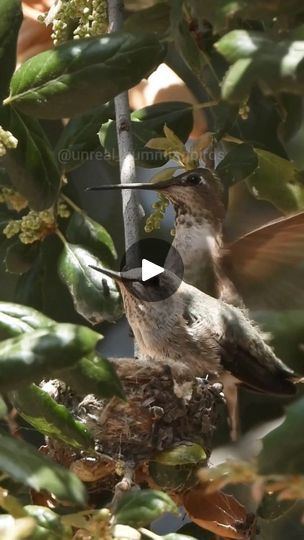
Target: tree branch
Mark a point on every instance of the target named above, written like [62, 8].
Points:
[131, 208]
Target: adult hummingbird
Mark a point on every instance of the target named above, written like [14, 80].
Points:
[195, 333]
[260, 267]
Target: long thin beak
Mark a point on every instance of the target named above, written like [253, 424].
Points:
[111, 273]
[157, 186]
[118, 276]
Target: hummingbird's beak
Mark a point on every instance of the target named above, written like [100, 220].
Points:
[155, 186]
[118, 276]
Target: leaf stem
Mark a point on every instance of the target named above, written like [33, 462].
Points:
[61, 236]
[72, 204]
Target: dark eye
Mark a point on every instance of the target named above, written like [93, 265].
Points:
[193, 179]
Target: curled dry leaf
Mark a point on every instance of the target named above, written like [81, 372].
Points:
[219, 513]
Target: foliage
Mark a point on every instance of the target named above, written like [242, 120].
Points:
[244, 59]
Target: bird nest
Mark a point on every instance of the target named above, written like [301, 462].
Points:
[159, 414]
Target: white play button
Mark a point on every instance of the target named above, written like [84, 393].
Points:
[150, 270]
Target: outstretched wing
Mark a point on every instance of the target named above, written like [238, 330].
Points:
[267, 264]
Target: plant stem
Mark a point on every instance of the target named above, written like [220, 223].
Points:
[131, 208]
[72, 204]
[60, 235]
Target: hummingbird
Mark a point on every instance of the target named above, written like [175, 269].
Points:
[245, 270]
[255, 269]
[194, 333]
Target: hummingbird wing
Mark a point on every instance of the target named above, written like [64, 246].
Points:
[245, 354]
[267, 264]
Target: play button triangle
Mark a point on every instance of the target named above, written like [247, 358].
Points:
[150, 270]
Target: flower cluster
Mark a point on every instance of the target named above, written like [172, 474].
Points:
[7, 141]
[35, 226]
[154, 220]
[77, 19]
[12, 199]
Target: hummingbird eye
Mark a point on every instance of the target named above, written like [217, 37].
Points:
[193, 179]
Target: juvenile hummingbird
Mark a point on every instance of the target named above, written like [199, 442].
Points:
[257, 267]
[195, 333]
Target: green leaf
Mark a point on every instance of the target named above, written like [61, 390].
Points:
[237, 165]
[20, 257]
[16, 319]
[152, 19]
[95, 296]
[148, 123]
[53, 83]
[53, 420]
[10, 22]
[176, 469]
[139, 508]
[278, 181]
[183, 454]
[31, 166]
[3, 408]
[275, 66]
[79, 139]
[94, 376]
[32, 356]
[24, 464]
[86, 232]
[50, 526]
[283, 448]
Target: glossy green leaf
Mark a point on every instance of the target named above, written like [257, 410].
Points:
[32, 356]
[17, 319]
[10, 21]
[176, 468]
[183, 454]
[139, 508]
[278, 181]
[48, 417]
[79, 139]
[283, 448]
[148, 123]
[94, 376]
[53, 83]
[152, 19]
[31, 166]
[86, 232]
[19, 257]
[95, 296]
[24, 464]
[50, 526]
[275, 66]
[237, 165]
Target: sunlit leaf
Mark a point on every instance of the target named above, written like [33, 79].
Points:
[139, 508]
[52, 84]
[95, 296]
[30, 357]
[23, 463]
[53, 420]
